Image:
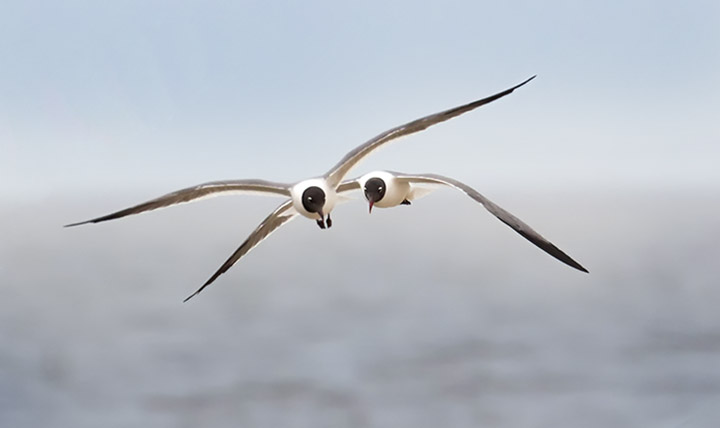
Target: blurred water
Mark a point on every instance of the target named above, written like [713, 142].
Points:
[421, 316]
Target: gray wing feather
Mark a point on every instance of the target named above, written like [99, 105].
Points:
[336, 174]
[515, 223]
[348, 185]
[282, 214]
[196, 192]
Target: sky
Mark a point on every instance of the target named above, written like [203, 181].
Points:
[106, 104]
[98, 97]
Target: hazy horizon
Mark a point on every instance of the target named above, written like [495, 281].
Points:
[412, 316]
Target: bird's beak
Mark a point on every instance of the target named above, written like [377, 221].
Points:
[371, 205]
[322, 215]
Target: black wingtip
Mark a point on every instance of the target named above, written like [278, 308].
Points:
[569, 261]
[78, 223]
[525, 82]
[193, 295]
[199, 289]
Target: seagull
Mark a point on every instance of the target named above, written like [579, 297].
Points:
[313, 198]
[387, 189]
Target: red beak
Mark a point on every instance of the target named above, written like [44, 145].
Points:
[371, 205]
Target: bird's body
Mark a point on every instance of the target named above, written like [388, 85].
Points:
[394, 191]
[326, 192]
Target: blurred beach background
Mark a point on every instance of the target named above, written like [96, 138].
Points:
[430, 315]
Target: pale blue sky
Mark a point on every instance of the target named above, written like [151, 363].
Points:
[168, 94]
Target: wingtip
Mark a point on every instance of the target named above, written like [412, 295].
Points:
[192, 295]
[199, 290]
[80, 223]
[579, 267]
[526, 81]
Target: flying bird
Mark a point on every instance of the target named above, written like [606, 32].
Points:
[313, 198]
[386, 189]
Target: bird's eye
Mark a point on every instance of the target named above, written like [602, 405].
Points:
[309, 198]
[379, 188]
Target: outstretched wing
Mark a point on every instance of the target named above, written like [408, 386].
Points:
[518, 225]
[338, 172]
[282, 214]
[197, 192]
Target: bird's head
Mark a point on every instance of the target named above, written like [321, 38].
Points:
[374, 190]
[313, 200]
